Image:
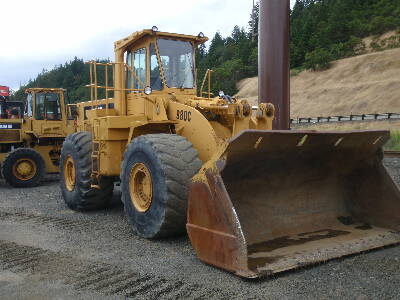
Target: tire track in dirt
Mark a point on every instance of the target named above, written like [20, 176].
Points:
[42, 220]
[80, 226]
[96, 276]
[61, 223]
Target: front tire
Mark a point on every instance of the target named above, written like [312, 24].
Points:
[155, 174]
[23, 167]
[75, 175]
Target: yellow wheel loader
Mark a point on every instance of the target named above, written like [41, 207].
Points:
[253, 200]
[31, 136]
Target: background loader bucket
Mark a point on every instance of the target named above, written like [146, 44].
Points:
[278, 200]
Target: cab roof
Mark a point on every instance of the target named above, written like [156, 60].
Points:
[29, 90]
[129, 40]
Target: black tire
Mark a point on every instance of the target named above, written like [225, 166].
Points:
[172, 162]
[83, 196]
[16, 155]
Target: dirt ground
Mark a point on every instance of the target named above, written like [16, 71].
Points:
[50, 252]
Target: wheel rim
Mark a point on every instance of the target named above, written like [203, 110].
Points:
[69, 173]
[24, 169]
[141, 187]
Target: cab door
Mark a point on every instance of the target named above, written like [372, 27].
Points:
[136, 80]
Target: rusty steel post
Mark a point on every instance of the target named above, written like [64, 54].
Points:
[273, 59]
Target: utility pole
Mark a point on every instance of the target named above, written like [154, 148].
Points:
[273, 59]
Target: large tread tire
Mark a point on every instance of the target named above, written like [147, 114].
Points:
[23, 153]
[83, 197]
[172, 162]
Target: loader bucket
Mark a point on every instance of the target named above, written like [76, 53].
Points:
[279, 200]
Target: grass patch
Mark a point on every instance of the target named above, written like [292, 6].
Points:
[296, 71]
[394, 142]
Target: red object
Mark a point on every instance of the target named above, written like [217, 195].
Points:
[4, 91]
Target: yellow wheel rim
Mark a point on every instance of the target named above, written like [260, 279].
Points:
[141, 187]
[69, 173]
[24, 169]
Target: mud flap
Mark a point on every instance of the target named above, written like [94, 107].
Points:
[279, 200]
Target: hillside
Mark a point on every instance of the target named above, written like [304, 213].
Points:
[367, 83]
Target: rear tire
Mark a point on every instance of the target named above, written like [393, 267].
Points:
[23, 167]
[75, 175]
[170, 161]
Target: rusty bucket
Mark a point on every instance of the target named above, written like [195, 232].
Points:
[279, 200]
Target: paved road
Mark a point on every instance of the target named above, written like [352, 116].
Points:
[48, 252]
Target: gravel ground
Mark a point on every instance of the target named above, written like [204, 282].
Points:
[48, 251]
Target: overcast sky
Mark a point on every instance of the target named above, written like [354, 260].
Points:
[40, 34]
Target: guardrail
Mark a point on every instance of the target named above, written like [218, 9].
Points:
[350, 118]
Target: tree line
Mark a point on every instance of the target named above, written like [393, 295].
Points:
[321, 31]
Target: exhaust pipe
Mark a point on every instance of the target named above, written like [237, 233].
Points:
[273, 59]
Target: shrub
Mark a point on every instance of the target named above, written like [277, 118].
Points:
[318, 59]
[354, 46]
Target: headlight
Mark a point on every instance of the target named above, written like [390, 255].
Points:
[154, 28]
[201, 35]
[148, 90]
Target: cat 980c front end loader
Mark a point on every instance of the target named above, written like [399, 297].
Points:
[253, 200]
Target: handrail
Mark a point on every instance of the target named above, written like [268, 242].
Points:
[207, 75]
[94, 86]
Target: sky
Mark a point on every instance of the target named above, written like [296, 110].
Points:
[41, 34]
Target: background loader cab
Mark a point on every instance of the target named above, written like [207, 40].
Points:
[46, 110]
[30, 145]
[11, 109]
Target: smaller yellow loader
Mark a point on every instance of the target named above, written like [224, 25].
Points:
[31, 135]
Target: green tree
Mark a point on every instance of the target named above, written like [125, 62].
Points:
[318, 59]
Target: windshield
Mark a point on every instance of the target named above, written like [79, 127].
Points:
[11, 110]
[177, 61]
[47, 106]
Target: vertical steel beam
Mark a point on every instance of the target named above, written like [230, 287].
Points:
[273, 59]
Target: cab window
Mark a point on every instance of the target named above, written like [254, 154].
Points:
[3, 111]
[39, 106]
[29, 105]
[136, 73]
[155, 78]
[48, 106]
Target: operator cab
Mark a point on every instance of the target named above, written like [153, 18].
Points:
[160, 61]
[11, 109]
[44, 104]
